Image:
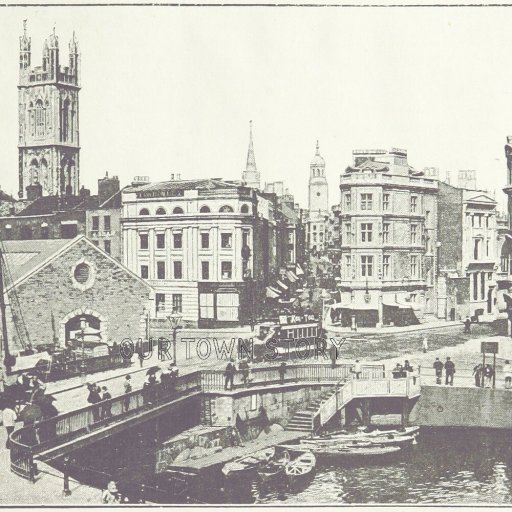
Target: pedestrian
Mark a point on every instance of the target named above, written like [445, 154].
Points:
[111, 494]
[127, 389]
[93, 398]
[449, 369]
[106, 409]
[356, 370]
[425, 345]
[488, 375]
[165, 378]
[38, 391]
[467, 325]
[282, 372]
[244, 368]
[173, 379]
[507, 371]
[310, 293]
[333, 352]
[229, 375]
[407, 368]
[141, 357]
[398, 371]
[477, 373]
[438, 367]
[9, 418]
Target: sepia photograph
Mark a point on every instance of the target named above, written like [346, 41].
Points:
[255, 255]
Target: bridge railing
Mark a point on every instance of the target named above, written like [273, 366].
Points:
[43, 435]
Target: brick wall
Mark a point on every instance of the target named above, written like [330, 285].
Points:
[116, 296]
[449, 208]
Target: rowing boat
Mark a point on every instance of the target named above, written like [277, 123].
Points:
[300, 468]
[248, 463]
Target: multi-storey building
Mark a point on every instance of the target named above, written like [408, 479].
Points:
[49, 148]
[318, 204]
[468, 252]
[388, 233]
[206, 246]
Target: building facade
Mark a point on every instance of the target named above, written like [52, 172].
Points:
[387, 223]
[468, 253]
[207, 247]
[48, 146]
[318, 204]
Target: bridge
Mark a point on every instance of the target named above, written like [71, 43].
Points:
[55, 437]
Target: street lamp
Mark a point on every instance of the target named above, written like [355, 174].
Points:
[175, 321]
[83, 326]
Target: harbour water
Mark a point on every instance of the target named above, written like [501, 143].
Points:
[455, 466]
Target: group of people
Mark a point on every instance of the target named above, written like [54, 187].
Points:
[99, 394]
[246, 373]
[485, 375]
[400, 371]
[449, 369]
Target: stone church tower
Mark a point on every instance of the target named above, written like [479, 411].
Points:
[318, 188]
[251, 176]
[49, 150]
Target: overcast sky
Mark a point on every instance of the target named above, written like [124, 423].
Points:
[173, 89]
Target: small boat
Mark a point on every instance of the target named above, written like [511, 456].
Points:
[408, 431]
[347, 451]
[365, 442]
[274, 469]
[300, 468]
[248, 463]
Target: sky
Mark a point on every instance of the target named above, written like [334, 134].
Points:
[171, 90]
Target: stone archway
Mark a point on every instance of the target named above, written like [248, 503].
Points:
[84, 311]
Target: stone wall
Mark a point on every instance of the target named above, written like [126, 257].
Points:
[440, 406]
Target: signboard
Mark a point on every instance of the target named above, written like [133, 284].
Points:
[489, 347]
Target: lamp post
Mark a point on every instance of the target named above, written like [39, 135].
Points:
[175, 321]
[83, 325]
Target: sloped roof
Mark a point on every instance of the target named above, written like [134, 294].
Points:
[368, 164]
[290, 214]
[50, 204]
[24, 256]
[200, 184]
[6, 197]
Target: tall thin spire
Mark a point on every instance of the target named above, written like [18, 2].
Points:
[251, 176]
[317, 148]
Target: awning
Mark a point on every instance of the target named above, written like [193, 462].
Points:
[68, 222]
[291, 276]
[393, 304]
[273, 293]
[487, 266]
[354, 306]
[282, 285]
[298, 270]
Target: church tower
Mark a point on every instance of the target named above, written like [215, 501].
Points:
[251, 176]
[48, 147]
[318, 188]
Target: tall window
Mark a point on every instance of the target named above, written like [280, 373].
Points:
[205, 240]
[205, 270]
[348, 233]
[414, 204]
[178, 270]
[177, 303]
[144, 241]
[482, 285]
[226, 268]
[348, 202]
[476, 248]
[385, 201]
[366, 232]
[107, 246]
[366, 266]
[475, 286]
[95, 223]
[414, 233]
[40, 118]
[144, 271]
[348, 267]
[106, 223]
[487, 247]
[366, 201]
[160, 269]
[160, 302]
[226, 240]
[177, 240]
[385, 232]
[414, 266]
[160, 240]
[385, 266]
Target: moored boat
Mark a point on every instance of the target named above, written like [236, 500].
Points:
[274, 469]
[300, 468]
[248, 463]
[346, 451]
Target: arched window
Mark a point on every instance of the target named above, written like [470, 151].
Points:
[65, 120]
[40, 118]
[161, 211]
[144, 211]
[244, 209]
[34, 172]
[177, 210]
[32, 122]
[204, 209]
[226, 209]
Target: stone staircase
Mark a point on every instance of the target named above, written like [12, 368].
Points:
[302, 421]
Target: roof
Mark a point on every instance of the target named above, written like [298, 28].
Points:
[6, 197]
[368, 164]
[200, 184]
[50, 204]
[23, 256]
[290, 214]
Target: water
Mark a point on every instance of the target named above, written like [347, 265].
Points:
[453, 466]
[446, 466]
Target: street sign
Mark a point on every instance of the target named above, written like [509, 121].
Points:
[489, 347]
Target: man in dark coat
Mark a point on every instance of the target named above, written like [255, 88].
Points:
[438, 367]
[229, 375]
[449, 368]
